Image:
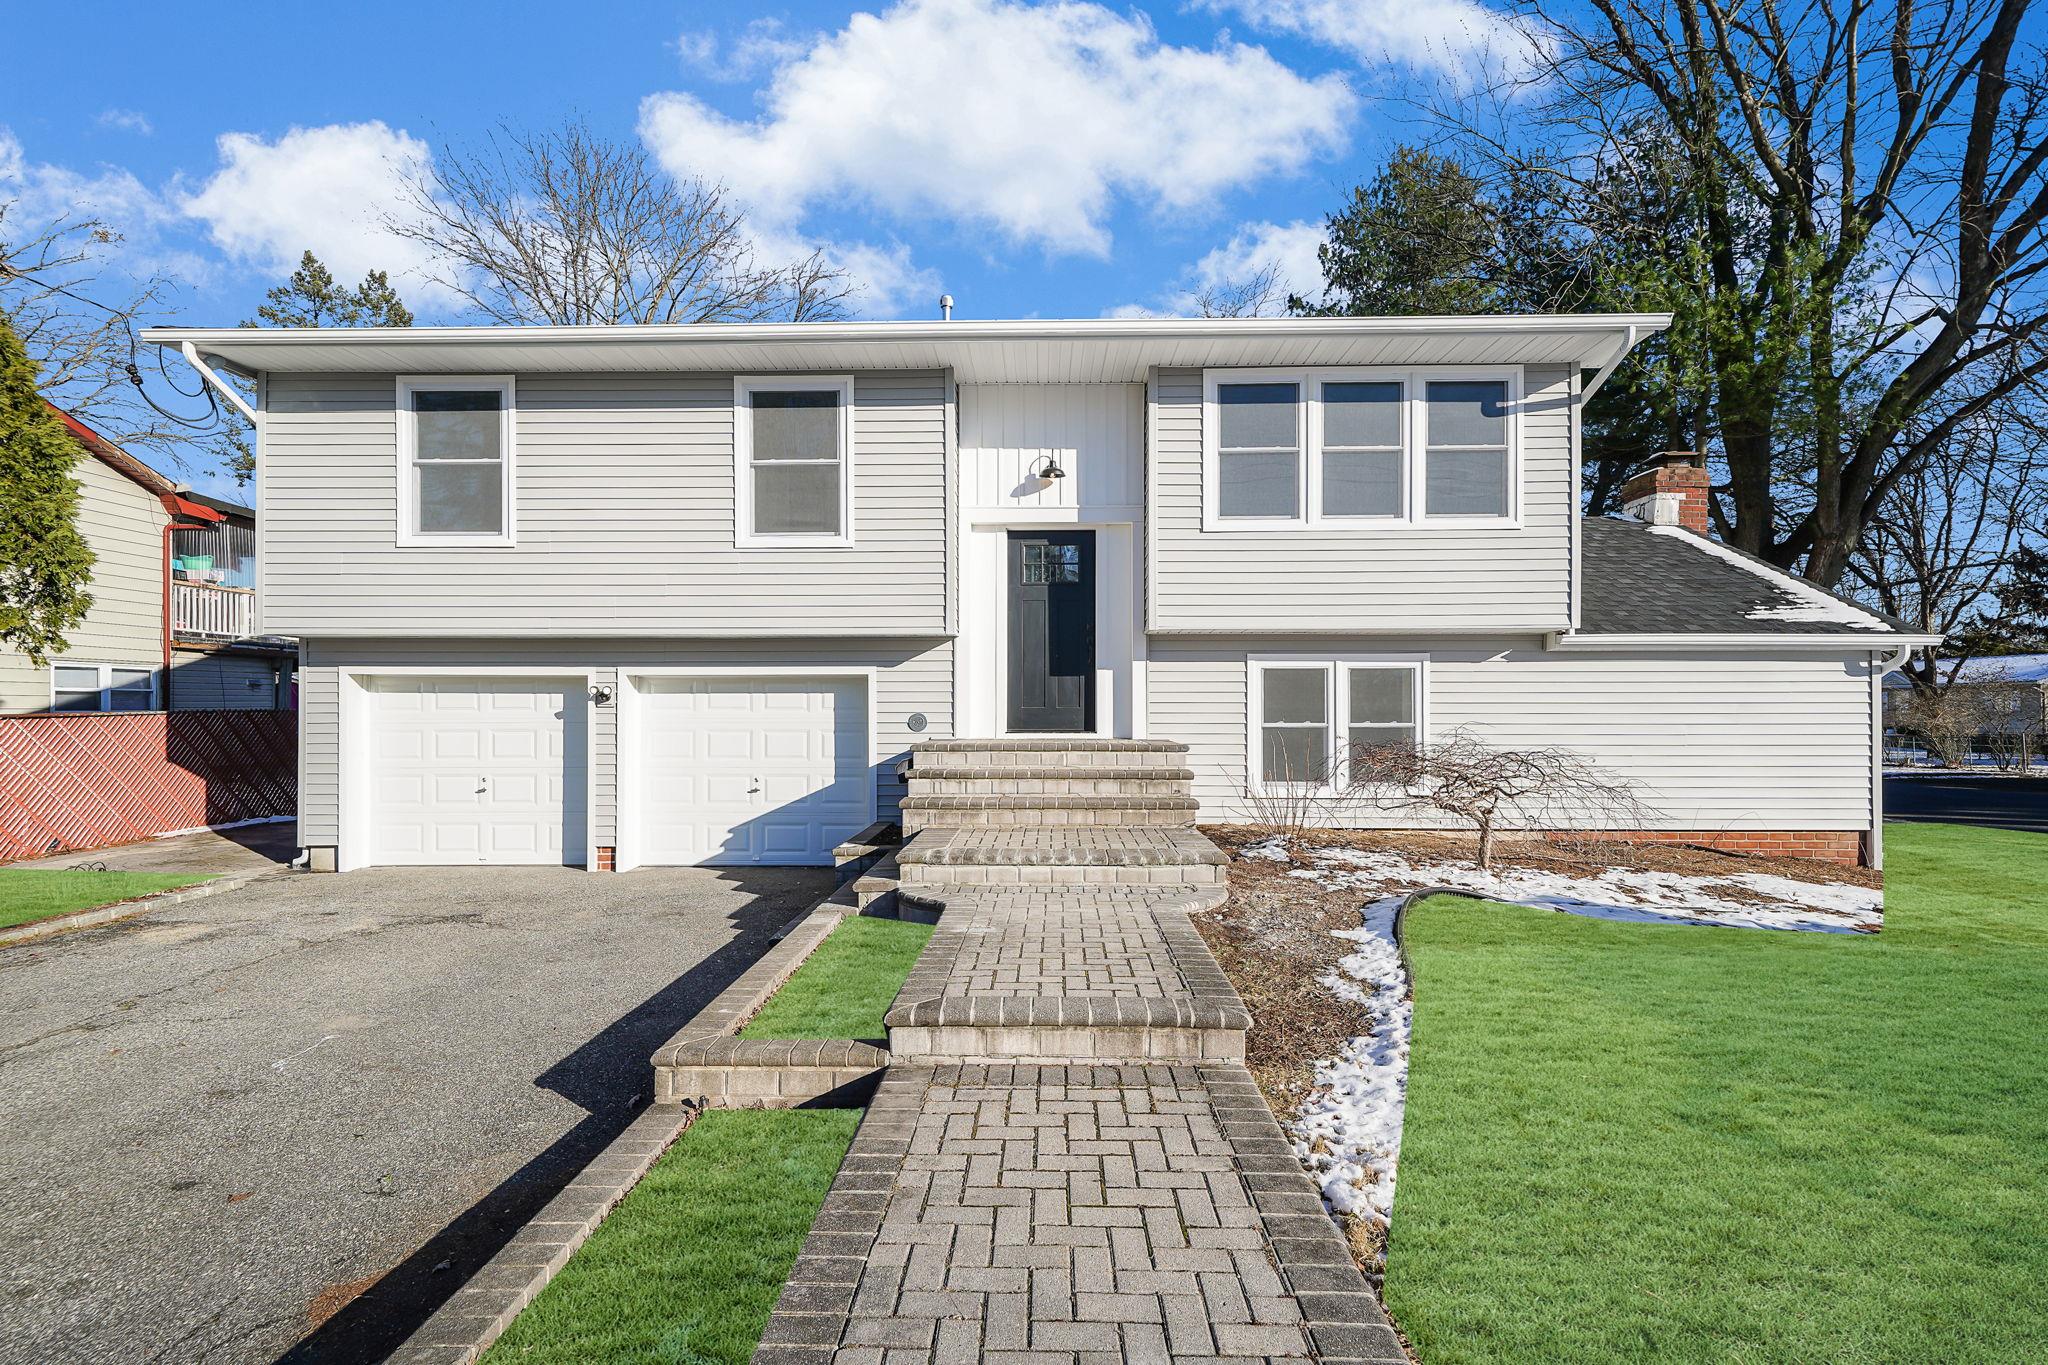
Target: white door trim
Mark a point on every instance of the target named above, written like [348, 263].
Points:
[352, 733]
[629, 853]
[983, 645]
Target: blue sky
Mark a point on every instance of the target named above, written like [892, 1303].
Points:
[1031, 160]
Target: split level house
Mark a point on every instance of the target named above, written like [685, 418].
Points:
[617, 596]
[172, 621]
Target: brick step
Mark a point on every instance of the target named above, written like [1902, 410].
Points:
[1146, 780]
[864, 850]
[874, 891]
[1063, 1029]
[1034, 812]
[1049, 752]
[940, 877]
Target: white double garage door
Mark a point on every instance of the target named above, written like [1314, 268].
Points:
[709, 769]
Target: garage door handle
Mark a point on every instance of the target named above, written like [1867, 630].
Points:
[483, 784]
[754, 786]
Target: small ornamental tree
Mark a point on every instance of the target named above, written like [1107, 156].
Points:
[45, 563]
[1489, 789]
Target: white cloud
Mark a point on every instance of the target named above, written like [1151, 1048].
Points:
[43, 193]
[1030, 120]
[762, 44]
[326, 190]
[126, 121]
[1459, 38]
[1288, 248]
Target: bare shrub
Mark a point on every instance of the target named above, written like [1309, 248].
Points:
[1488, 789]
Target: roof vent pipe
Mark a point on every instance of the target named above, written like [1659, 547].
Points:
[945, 308]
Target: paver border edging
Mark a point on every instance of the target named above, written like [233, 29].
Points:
[119, 910]
[705, 1063]
[463, 1328]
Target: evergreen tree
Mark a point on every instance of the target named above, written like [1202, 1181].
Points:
[45, 563]
[311, 298]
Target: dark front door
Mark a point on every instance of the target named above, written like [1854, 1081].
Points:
[1052, 630]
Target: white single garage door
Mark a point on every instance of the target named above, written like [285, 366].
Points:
[477, 770]
[751, 770]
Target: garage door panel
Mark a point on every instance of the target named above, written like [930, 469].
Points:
[751, 770]
[467, 770]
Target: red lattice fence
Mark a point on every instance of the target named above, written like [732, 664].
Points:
[83, 780]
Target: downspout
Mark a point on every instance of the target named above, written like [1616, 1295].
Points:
[1879, 667]
[241, 405]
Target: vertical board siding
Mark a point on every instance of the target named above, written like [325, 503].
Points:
[1761, 741]
[123, 523]
[1095, 432]
[624, 512]
[911, 676]
[1405, 578]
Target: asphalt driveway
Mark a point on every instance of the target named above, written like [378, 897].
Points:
[227, 1120]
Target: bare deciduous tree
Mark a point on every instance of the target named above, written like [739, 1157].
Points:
[1937, 551]
[1257, 295]
[1862, 260]
[1489, 788]
[568, 227]
[77, 322]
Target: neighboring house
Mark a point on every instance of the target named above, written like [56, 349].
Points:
[171, 626]
[631, 595]
[1994, 702]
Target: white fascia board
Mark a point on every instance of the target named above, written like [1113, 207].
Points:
[1862, 642]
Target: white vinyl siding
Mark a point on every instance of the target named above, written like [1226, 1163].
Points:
[912, 677]
[1360, 575]
[123, 524]
[1716, 741]
[625, 507]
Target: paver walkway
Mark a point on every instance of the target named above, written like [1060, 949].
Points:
[1029, 1187]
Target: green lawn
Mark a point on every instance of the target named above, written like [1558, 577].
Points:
[28, 894]
[689, 1265]
[1639, 1142]
[845, 987]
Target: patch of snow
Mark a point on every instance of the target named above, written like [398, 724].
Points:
[1622, 893]
[1272, 850]
[1803, 601]
[1348, 1132]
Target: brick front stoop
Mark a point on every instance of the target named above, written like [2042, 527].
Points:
[1066, 1159]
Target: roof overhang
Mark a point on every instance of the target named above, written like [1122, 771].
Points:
[1102, 350]
[1839, 642]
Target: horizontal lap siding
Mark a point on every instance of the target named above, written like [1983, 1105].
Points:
[624, 516]
[911, 676]
[1766, 742]
[1309, 580]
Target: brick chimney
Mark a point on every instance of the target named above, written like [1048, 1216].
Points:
[1671, 492]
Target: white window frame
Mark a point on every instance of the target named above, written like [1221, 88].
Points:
[1212, 454]
[1333, 668]
[106, 681]
[743, 389]
[1414, 447]
[409, 533]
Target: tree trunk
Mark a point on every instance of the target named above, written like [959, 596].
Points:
[1486, 843]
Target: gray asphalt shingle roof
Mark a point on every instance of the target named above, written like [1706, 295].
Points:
[1640, 581]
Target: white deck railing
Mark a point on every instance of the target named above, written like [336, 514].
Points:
[216, 613]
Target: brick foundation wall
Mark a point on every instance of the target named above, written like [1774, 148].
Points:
[1843, 846]
[607, 859]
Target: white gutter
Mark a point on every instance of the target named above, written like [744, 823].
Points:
[226, 390]
[985, 330]
[1859, 643]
